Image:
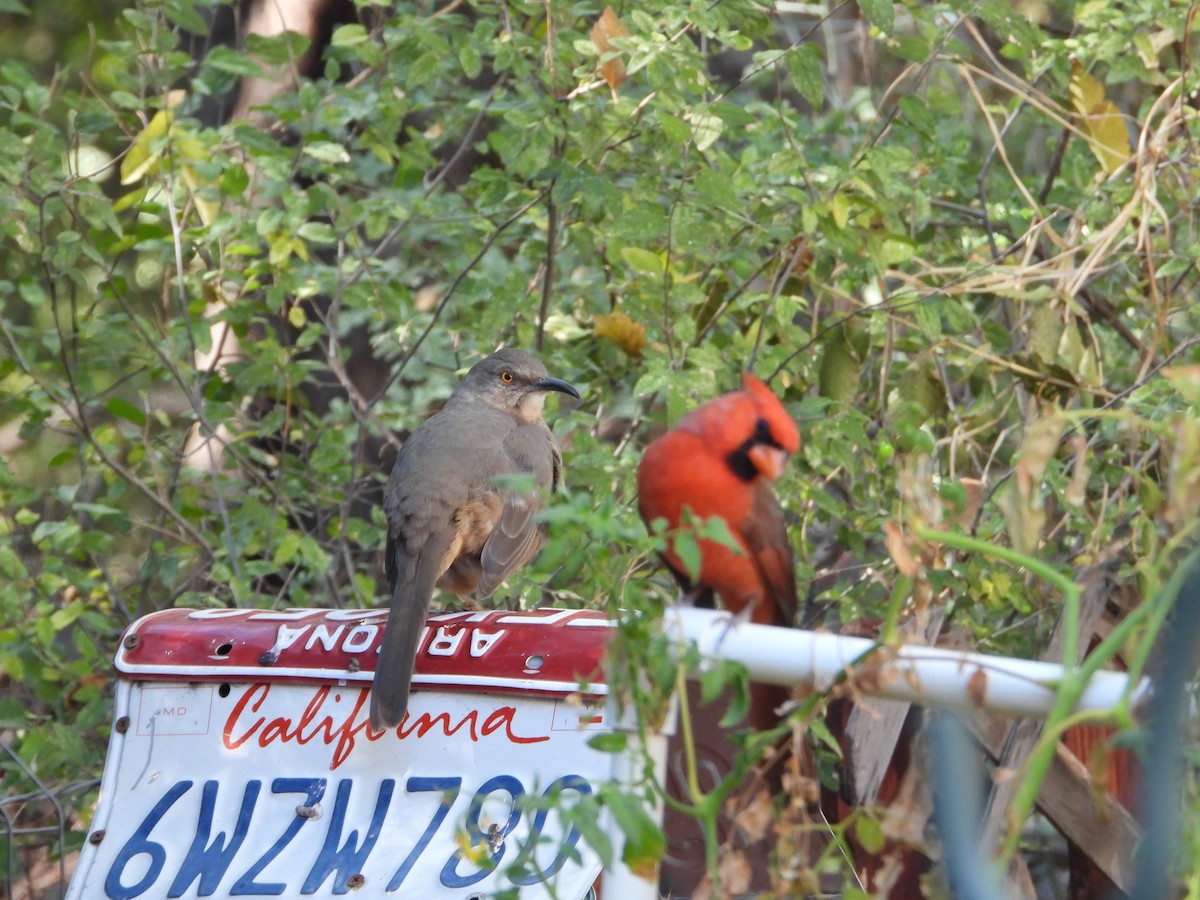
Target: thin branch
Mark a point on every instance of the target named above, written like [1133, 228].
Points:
[548, 267]
[444, 301]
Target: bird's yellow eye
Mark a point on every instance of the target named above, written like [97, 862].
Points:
[506, 376]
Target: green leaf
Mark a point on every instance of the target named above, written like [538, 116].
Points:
[839, 208]
[349, 35]
[63, 618]
[609, 742]
[470, 60]
[1091, 12]
[327, 152]
[45, 631]
[586, 817]
[869, 832]
[11, 566]
[739, 701]
[644, 840]
[226, 60]
[716, 529]
[123, 409]
[317, 233]
[278, 49]
[687, 548]
[734, 115]
[675, 129]
[641, 224]
[145, 153]
[706, 129]
[287, 549]
[917, 112]
[98, 510]
[911, 47]
[651, 382]
[716, 188]
[880, 13]
[806, 68]
[182, 13]
[818, 729]
[644, 260]
[712, 681]
[234, 180]
[928, 318]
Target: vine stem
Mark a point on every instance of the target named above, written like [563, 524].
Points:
[1074, 679]
[703, 804]
[689, 743]
[1070, 686]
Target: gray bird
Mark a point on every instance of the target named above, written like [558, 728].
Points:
[450, 523]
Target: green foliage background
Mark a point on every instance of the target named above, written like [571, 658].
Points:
[895, 212]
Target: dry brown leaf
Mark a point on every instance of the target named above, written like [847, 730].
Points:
[798, 258]
[897, 547]
[1076, 492]
[972, 500]
[1183, 471]
[647, 870]
[734, 871]
[977, 686]
[1108, 138]
[802, 788]
[427, 298]
[607, 27]
[757, 816]
[1022, 503]
[1037, 449]
[617, 327]
[907, 815]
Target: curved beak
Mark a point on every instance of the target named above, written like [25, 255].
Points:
[555, 384]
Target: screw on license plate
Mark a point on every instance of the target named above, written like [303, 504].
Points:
[495, 839]
[309, 812]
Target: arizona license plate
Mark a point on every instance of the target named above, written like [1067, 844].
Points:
[218, 786]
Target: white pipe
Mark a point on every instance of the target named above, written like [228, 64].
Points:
[927, 675]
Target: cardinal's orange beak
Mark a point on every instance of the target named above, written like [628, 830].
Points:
[770, 461]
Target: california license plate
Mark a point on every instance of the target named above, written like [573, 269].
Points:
[219, 786]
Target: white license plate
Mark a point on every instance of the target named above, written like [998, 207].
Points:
[277, 789]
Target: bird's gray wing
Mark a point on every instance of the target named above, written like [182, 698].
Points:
[513, 542]
[517, 537]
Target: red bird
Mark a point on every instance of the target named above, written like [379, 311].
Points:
[720, 460]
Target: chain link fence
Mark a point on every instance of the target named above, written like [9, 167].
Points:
[39, 834]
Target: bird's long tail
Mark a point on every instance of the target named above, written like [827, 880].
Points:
[402, 635]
